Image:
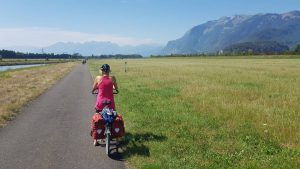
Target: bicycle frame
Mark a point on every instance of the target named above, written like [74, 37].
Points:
[108, 125]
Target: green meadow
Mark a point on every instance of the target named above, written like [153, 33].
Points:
[208, 113]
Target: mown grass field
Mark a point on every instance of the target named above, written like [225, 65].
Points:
[20, 86]
[209, 113]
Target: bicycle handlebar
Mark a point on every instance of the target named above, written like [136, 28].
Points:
[115, 91]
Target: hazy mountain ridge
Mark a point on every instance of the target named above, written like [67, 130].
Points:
[216, 35]
[92, 48]
[99, 48]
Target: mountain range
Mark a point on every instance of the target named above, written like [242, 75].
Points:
[216, 35]
[98, 48]
[93, 48]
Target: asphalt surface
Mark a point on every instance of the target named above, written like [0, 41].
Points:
[53, 131]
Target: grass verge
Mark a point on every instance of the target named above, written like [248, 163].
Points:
[209, 113]
[18, 87]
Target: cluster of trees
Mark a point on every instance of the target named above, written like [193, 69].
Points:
[8, 54]
[297, 50]
[250, 48]
[117, 56]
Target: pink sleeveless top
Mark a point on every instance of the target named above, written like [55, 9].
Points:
[105, 92]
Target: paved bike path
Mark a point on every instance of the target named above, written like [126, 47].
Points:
[53, 131]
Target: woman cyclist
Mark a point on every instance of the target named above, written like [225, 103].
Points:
[105, 85]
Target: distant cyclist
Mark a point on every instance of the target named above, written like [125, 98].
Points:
[105, 85]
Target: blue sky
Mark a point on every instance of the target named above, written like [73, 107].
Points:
[43, 22]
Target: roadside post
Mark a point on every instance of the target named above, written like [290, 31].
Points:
[125, 66]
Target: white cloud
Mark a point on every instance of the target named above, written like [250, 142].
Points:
[41, 37]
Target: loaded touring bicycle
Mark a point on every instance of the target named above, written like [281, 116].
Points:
[107, 125]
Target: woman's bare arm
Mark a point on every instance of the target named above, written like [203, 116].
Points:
[96, 83]
[114, 81]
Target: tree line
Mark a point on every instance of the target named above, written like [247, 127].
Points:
[8, 54]
[262, 47]
[245, 49]
[117, 56]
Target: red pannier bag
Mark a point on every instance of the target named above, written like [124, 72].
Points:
[97, 127]
[118, 128]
